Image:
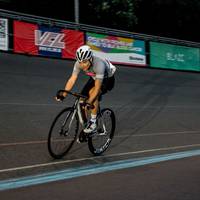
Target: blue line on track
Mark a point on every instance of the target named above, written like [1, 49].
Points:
[91, 169]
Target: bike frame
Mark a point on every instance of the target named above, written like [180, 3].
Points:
[77, 109]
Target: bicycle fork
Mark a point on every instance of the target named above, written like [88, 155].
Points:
[67, 131]
[76, 109]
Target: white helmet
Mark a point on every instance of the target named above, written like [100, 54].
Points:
[84, 53]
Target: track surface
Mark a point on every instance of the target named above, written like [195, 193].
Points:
[157, 113]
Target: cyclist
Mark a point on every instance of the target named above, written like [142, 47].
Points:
[101, 73]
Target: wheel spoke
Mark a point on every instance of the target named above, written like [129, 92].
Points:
[62, 133]
[105, 131]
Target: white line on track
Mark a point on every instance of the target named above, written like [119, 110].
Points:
[96, 158]
[114, 106]
[23, 143]
[32, 104]
[117, 136]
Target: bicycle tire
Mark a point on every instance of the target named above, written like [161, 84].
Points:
[64, 137]
[99, 149]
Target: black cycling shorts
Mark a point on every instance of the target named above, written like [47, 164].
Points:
[107, 85]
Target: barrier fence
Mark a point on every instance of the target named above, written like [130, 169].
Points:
[33, 35]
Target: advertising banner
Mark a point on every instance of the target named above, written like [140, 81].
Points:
[47, 41]
[117, 49]
[3, 34]
[174, 57]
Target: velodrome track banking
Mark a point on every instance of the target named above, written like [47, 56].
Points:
[157, 118]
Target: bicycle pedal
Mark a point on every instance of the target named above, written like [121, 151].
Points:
[81, 140]
[82, 137]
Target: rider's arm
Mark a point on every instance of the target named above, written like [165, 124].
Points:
[96, 91]
[70, 83]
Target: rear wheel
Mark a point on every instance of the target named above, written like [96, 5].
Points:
[62, 133]
[100, 141]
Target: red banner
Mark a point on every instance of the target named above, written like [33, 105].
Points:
[24, 38]
[47, 41]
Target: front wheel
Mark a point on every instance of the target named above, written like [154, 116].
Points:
[100, 141]
[62, 133]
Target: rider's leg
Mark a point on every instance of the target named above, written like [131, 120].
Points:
[95, 103]
[94, 111]
[91, 126]
[107, 85]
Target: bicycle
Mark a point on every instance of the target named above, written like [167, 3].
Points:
[69, 124]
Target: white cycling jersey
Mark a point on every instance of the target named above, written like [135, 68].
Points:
[100, 69]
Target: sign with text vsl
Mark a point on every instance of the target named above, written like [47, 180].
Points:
[50, 41]
[46, 41]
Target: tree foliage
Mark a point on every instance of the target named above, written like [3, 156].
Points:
[169, 18]
[118, 14]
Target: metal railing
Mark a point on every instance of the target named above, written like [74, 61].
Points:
[96, 29]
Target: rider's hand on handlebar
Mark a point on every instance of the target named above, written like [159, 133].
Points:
[60, 96]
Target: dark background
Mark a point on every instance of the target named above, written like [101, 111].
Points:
[169, 18]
